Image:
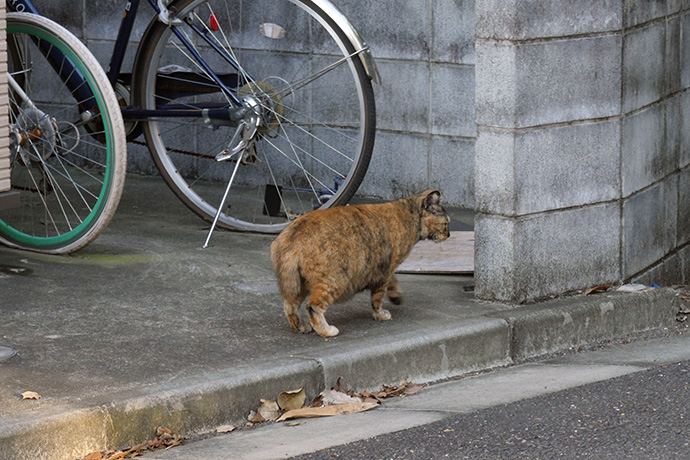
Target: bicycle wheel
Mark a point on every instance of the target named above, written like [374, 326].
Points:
[296, 68]
[67, 146]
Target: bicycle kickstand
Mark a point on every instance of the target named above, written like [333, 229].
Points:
[222, 156]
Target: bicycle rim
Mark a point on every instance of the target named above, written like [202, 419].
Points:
[315, 143]
[68, 157]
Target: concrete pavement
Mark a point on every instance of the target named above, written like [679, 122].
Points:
[143, 328]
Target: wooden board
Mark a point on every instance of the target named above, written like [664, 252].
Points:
[455, 255]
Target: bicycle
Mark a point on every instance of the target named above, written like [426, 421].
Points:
[67, 141]
[279, 89]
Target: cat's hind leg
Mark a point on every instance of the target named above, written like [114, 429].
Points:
[318, 302]
[292, 312]
[291, 305]
[379, 313]
[393, 290]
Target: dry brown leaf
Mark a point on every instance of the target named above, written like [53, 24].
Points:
[340, 388]
[377, 395]
[174, 443]
[412, 388]
[162, 431]
[165, 440]
[154, 444]
[291, 400]
[269, 410]
[394, 390]
[255, 417]
[317, 402]
[335, 397]
[94, 456]
[595, 289]
[328, 411]
[404, 389]
[30, 395]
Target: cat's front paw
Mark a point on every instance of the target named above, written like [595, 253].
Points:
[382, 315]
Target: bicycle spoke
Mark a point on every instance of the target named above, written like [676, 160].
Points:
[309, 110]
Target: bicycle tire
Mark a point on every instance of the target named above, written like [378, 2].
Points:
[316, 146]
[67, 161]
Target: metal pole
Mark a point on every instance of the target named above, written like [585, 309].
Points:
[222, 203]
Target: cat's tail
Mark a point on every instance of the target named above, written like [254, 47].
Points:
[286, 266]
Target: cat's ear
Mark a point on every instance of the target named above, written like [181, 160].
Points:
[432, 201]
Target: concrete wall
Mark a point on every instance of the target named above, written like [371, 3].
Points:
[425, 105]
[582, 155]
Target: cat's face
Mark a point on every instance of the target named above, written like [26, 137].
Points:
[435, 221]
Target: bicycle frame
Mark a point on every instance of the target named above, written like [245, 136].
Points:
[228, 113]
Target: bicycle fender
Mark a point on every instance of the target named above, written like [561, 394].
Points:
[361, 48]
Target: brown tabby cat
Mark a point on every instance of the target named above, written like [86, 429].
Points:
[332, 254]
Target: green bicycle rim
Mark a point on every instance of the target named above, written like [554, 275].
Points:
[52, 242]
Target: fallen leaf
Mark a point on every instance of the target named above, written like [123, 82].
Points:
[412, 388]
[396, 390]
[154, 444]
[266, 412]
[291, 400]
[165, 440]
[377, 395]
[318, 401]
[30, 395]
[595, 289]
[225, 429]
[335, 397]
[94, 456]
[340, 388]
[174, 443]
[269, 409]
[328, 411]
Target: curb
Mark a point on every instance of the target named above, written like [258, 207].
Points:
[573, 322]
[199, 404]
[424, 355]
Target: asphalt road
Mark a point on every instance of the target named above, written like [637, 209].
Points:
[638, 416]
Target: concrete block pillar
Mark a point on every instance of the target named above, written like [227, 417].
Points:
[583, 153]
[547, 168]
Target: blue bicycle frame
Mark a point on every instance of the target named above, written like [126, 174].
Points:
[231, 111]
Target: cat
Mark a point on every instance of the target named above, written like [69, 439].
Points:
[329, 255]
